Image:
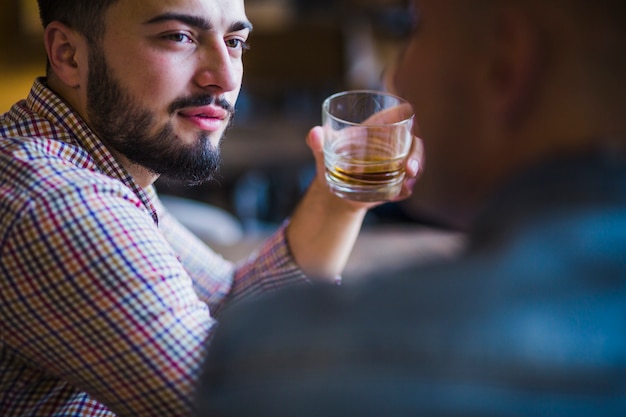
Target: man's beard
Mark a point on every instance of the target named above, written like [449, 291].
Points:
[124, 126]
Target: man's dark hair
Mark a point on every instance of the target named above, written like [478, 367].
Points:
[85, 16]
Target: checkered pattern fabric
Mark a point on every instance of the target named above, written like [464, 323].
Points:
[106, 301]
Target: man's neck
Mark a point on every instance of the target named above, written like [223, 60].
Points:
[142, 176]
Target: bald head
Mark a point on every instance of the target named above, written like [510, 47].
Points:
[499, 85]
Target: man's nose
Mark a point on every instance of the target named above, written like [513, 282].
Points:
[218, 69]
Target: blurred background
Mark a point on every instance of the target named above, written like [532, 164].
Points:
[301, 52]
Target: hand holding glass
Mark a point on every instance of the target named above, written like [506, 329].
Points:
[367, 138]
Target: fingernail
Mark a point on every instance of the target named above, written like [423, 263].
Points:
[414, 165]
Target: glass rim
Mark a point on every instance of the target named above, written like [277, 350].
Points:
[327, 100]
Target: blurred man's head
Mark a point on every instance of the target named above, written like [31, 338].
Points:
[500, 84]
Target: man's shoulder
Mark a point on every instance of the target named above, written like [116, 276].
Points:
[38, 159]
[494, 295]
[381, 346]
[38, 170]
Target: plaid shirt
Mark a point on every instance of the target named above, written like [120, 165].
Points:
[105, 300]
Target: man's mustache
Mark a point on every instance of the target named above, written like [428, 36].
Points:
[199, 101]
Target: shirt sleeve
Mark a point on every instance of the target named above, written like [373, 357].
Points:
[218, 281]
[96, 296]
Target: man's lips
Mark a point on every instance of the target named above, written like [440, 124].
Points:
[209, 118]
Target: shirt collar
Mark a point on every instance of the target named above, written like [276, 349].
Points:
[47, 104]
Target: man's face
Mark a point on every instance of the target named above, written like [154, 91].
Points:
[163, 82]
[440, 74]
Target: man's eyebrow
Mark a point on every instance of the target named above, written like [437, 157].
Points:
[197, 21]
[190, 20]
[241, 25]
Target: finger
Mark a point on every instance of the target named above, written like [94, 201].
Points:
[414, 167]
[415, 160]
[391, 115]
[315, 141]
[407, 189]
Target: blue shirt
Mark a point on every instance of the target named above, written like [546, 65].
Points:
[530, 321]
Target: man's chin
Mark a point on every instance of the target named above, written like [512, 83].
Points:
[184, 180]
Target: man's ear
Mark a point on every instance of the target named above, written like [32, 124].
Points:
[516, 65]
[65, 47]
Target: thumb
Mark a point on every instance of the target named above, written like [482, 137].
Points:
[315, 141]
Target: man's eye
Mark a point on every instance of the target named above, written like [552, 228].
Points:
[179, 37]
[236, 43]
